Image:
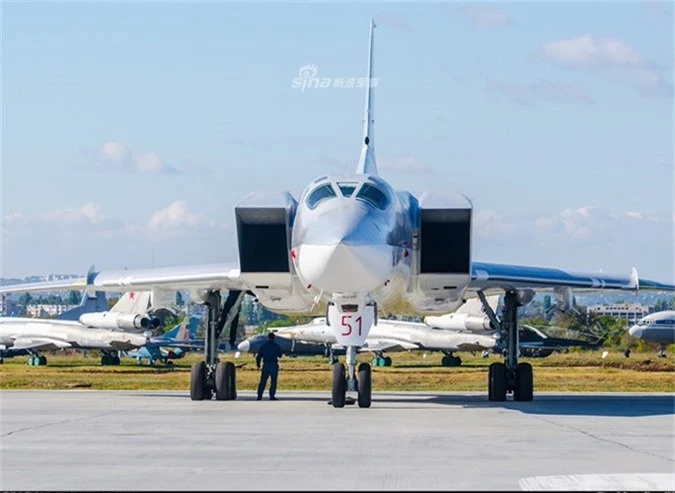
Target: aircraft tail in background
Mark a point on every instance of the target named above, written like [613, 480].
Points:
[88, 304]
[133, 302]
[184, 331]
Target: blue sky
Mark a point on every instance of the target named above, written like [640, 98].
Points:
[131, 130]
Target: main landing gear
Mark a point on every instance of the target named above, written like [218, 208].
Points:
[36, 360]
[381, 360]
[451, 360]
[509, 376]
[109, 359]
[212, 377]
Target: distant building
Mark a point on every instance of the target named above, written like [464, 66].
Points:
[46, 311]
[7, 305]
[631, 312]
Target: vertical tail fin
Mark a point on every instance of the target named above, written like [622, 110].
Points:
[184, 331]
[133, 302]
[88, 304]
[367, 159]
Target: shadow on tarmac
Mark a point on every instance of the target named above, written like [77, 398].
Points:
[615, 405]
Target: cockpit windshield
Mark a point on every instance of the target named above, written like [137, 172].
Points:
[373, 195]
[324, 192]
[347, 188]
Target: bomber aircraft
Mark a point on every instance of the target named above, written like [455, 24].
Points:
[351, 247]
[21, 335]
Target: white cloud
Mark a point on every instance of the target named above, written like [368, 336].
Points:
[485, 16]
[90, 213]
[488, 223]
[72, 238]
[608, 55]
[580, 223]
[117, 156]
[174, 216]
[93, 212]
[114, 151]
[585, 50]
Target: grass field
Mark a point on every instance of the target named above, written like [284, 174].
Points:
[578, 371]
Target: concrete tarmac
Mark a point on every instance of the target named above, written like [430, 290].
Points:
[101, 440]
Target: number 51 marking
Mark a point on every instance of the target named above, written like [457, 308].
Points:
[346, 323]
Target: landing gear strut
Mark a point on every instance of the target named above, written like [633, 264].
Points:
[212, 377]
[509, 376]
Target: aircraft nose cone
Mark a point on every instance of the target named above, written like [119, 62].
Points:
[345, 268]
[244, 346]
[636, 332]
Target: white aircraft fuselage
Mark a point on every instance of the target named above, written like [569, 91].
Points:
[656, 327]
[59, 334]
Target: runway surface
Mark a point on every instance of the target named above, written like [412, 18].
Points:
[100, 440]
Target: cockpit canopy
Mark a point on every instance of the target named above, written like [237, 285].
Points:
[320, 193]
[367, 191]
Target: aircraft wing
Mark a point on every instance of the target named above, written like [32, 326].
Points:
[39, 343]
[381, 344]
[487, 276]
[207, 276]
[74, 283]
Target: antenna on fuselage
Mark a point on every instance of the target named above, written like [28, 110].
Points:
[367, 158]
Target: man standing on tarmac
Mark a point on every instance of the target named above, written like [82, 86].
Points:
[268, 353]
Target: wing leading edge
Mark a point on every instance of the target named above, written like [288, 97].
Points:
[487, 276]
[207, 276]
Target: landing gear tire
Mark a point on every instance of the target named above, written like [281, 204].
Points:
[198, 390]
[105, 360]
[451, 361]
[387, 361]
[115, 360]
[224, 379]
[365, 385]
[42, 361]
[339, 385]
[524, 382]
[233, 381]
[497, 382]
[169, 364]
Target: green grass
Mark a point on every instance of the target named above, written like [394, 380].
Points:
[578, 371]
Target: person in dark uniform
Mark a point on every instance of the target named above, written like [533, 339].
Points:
[269, 353]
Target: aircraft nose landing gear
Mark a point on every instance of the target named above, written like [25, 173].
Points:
[351, 326]
[362, 385]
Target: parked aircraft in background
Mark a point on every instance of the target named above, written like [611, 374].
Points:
[130, 314]
[535, 343]
[290, 346]
[21, 336]
[170, 345]
[350, 248]
[30, 336]
[386, 336]
[656, 327]
[316, 339]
